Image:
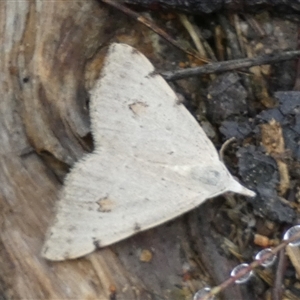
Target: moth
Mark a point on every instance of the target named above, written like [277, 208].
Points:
[152, 162]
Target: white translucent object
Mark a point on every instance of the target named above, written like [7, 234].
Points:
[269, 261]
[245, 277]
[203, 292]
[290, 233]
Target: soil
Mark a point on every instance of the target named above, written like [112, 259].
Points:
[260, 108]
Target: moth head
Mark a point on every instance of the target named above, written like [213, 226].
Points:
[217, 175]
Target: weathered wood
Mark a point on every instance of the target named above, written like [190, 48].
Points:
[44, 119]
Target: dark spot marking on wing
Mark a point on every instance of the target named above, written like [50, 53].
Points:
[178, 101]
[69, 241]
[209, 176]
[134, 51]
[72, 228]
[138, 107]
[106, 204]
[97, 243]
[66, 255]
[137, 227]
[153, 74]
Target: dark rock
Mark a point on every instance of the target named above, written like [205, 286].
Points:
[259, 172]
[226, 97]
[289, 102]
[287, 113]
[237, 129]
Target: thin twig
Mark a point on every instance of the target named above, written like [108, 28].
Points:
[224, 147]
[219, 43]
[232, 40]
[230, 65]
[239, 34]
[194, 36]
[216, 290]
[260, 32]
[281, 267]
[151, 26]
